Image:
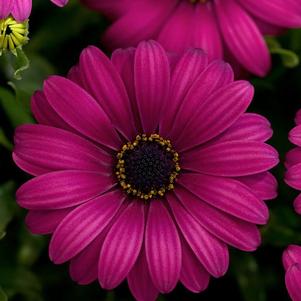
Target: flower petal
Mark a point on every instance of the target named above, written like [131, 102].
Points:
[75, 75]
[263, 185]
[205, 31]
[292, 176]
[210, 251]
[292, 281]
[293, 157]
[233, 231]
[103, 82]
[297, 204]
[249, 126]
[45, 221]
[228, 195]
[215, 76]
[193, 276]
[124, 63]
[80, 111]
[138, 24]
[163, 248]
[59, 3]
[62, 189]
[83, 225]
[21, 9]
[140, 282]
[152, 77]
[214, 114]
[84, 266]
[231, 159]
[243, 37]
[121, 246]
[298, 117]
[45, 114]
[191, 64]
[40, 149]
[291, 256]
[5, 8]
[277, 12]
[295, 135]
[180, 21]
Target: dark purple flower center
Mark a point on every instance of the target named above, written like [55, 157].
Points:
[147, 167]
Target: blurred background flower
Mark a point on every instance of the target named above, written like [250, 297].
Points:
[230, 29]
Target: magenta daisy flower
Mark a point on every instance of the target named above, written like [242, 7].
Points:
[146, 169]
[292, 263]
[21, 9]
[231, 29]
[293, 161]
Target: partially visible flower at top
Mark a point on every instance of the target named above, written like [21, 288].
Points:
[146, 169]
[14, 16]
[12, 34]
[293, 162]
[230, 29]
[291, 259]
[21, 9]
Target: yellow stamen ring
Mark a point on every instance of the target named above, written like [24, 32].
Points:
[129, 188]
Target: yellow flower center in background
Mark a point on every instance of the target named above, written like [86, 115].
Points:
[12, 34]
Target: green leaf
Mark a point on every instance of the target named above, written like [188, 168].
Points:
[110, 296]
[3, 296]
[13, 109]
[248, 276]
[20, 281]
[4, 141]
[21, 63]
[7, 206]
[15, 63]
[31, 247]
[32, 80]
[289, 58]
[283, 227]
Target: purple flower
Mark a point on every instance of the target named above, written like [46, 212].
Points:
[146, 168]
[21, 9]
[293, 161]
[230, 29]
[292, 263]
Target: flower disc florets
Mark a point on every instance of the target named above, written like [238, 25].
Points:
[13, 34]
[147, 167]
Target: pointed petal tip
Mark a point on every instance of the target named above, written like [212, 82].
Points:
[60, 3]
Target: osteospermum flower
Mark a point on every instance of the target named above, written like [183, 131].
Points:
[232, 29]
[14, 16]
[292, 263]
[293, 161]
[146, 169]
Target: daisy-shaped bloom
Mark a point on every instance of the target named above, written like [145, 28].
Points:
[21, 9]
[146, 169]
[231, 29]
[292, 263]
[293, 161]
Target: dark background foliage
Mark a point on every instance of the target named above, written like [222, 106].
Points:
[57, 37]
